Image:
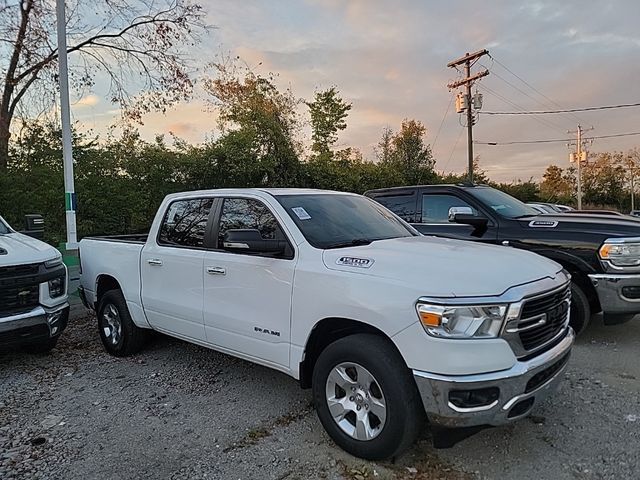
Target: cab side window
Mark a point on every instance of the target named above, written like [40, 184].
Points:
[247, 213]
[185, 223]
[435, 207]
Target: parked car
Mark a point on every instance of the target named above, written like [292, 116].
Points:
[33, 292]
[564, 208]
[602, 252]
[543, 209]
[635, 213]
[335, 290]
[599, 212]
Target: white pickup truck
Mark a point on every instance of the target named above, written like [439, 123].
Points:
[33, 292]
[335, 290]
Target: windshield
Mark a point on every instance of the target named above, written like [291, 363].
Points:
[3, 227]
[335, 220]
[502, 203]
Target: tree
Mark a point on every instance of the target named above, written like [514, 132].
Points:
[328, 116]
[136, 45]
[384, 148]
[253, 110]
[556, 185]
[411, 154]
[603, 180]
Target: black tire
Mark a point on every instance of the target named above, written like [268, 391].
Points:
[41, 348]
[130, 338]
[404, 411]
[580, 309]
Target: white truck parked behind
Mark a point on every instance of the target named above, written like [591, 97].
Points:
[33, 292]
[333, 289]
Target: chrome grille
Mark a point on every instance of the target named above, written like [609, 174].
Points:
[543, 318]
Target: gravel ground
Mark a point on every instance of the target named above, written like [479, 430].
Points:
[180, 411]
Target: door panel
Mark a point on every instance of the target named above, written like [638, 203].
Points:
[247, 298]
[172, 270]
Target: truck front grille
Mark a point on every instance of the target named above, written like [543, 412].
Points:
[19, 289]
[543, 318]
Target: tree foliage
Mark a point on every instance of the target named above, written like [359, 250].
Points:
[328, 113]
[136, 45]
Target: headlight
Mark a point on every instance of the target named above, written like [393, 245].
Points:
[462, 321]
[53, 263]
[621, 252]
[56, 287]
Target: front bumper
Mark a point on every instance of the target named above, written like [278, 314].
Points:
[35, 326]
[619, 295]
[519, 389]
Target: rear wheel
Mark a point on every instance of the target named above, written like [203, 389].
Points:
[120, 336]
[366, 398]
[580, 309]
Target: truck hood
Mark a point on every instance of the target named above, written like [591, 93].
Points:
[606, 225]
[443, 267]
[18, 249]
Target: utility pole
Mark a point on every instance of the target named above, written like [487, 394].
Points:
[580, 157]
[67, 153]
[468, 60]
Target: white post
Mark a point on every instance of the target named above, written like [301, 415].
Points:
[67, 153]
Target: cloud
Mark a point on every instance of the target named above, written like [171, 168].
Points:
[388, 58]
[87, 101]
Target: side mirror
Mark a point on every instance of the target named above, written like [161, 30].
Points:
[249, 240]
[34, 226]
[453, 211]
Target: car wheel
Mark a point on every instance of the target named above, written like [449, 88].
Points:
[41, 347]
[580, 309]
[366, 397]
[120, 336]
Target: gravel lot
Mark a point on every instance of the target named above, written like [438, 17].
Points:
[180, 411]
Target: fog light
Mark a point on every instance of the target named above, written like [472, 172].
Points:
[53, 317]
[56, 287]
[481, 397]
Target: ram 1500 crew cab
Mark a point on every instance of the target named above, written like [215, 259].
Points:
[33, 292]
[601, 252]
[335, 290]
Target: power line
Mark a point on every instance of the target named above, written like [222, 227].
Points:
[556, 140]
[453, 149]
[446, 112]
[542, 121]
[569, 110]
[553, 102]
[519, 90]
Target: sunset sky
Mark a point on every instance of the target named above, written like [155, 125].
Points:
[388, 58]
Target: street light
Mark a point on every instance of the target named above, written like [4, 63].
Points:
[67, 152]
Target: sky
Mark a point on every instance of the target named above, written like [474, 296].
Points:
[388, 59]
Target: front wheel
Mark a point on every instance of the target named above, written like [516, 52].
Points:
[366, 398]
[580, 309]
[120, 336]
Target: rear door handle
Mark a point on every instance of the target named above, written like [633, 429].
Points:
[155, 262]
[216, 271]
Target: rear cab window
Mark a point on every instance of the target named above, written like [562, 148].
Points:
[402, 204]
[185, 223]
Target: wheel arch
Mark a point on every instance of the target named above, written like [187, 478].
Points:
[104, 283]
[327, 331]
[579, 271]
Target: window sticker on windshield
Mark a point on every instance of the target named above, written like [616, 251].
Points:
[301, 213]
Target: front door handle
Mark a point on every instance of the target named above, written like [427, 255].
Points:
[155, 262]
[216, 271]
